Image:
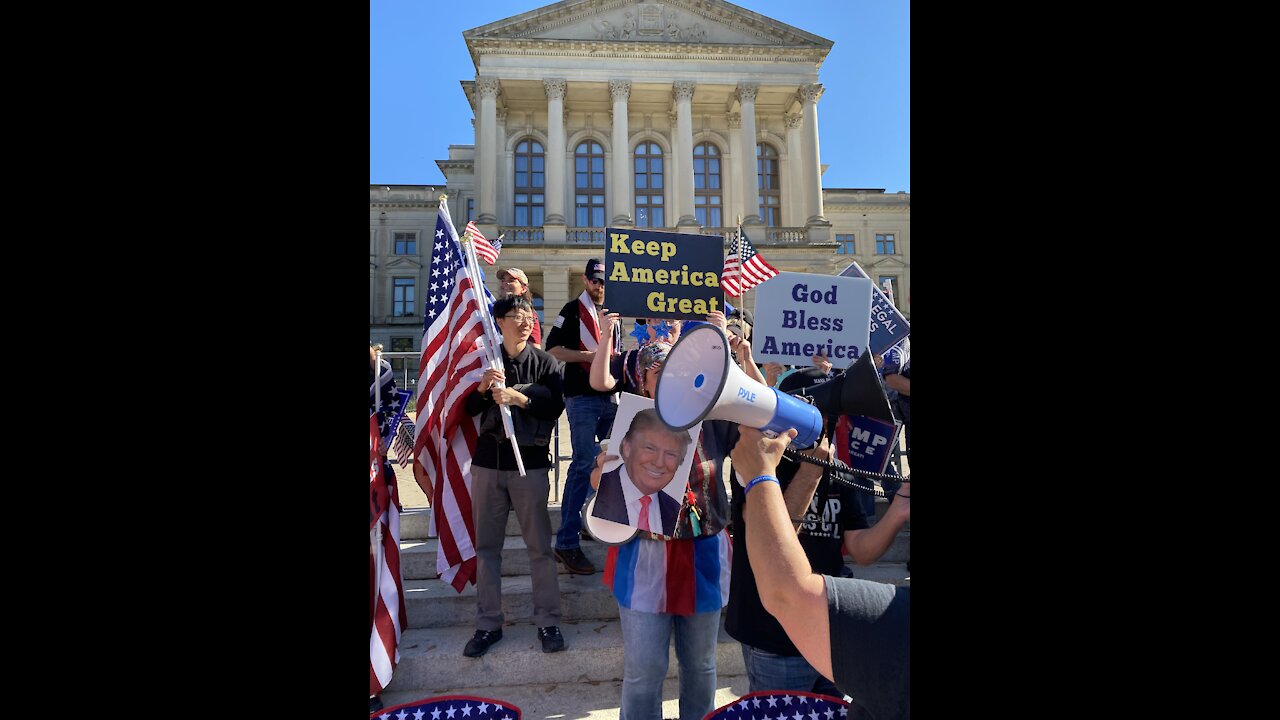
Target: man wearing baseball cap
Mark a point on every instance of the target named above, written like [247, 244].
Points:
[515, 282]
[573, 340]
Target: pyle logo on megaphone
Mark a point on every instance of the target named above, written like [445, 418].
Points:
[699, 382]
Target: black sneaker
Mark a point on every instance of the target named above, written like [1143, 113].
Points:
[480, 643]
[575, 562]
[375, 703]
[552, 640]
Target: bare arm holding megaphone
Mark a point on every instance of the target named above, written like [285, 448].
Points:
[870, 620]
[788, 587]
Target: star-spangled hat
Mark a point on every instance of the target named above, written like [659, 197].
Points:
[782, 705]
[450, 707]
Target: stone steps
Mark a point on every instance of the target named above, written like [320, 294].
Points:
[435, 604]
[432, 658]
[418, 557]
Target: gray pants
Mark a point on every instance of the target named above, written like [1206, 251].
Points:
[493, 494]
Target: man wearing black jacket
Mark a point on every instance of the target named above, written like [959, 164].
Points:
[530, 385]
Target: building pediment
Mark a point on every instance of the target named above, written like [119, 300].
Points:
[886, 263]
[669, 22]
[404, 263]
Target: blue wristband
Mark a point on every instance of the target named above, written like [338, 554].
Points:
[757, 480]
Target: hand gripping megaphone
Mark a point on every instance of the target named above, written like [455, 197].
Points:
[699, 381]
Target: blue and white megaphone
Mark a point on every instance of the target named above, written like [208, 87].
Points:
[699, 381]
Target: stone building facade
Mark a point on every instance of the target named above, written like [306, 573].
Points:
[679, 116]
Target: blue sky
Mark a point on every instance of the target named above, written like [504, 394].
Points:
[417, 107]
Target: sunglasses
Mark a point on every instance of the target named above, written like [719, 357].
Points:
[594, 281]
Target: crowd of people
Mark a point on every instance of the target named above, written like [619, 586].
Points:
[769, 555]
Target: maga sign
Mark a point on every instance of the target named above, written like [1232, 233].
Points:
[663, 275]
[799, 315]
[888, 326]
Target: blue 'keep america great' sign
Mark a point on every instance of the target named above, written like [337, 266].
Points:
[653, 274]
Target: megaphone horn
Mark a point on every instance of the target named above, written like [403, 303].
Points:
[699, 382]
[858, 392]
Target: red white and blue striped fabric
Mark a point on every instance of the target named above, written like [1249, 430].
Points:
[744, 268]
[680, 577]
[484, 248]
[449, 369]
[385, 583]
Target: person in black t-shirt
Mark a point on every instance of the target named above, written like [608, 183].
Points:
[829, 521]
[855, 632]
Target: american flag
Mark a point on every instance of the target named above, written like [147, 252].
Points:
[403, 444]
[451, 707]
[385, 584]
[483, 248]
[782, 705]
[450, 368]
[744, 268]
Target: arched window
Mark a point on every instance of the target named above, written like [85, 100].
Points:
[770, 181]
[706, 185]
[648, 181]
[530, 183]
[588, 183]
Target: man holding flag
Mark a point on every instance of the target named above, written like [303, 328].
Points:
[450, 368]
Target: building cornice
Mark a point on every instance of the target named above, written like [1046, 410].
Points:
[595, 49]
[828, 206]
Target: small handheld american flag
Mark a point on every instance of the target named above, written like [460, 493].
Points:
[403, 443]
[744, 268]
[485, 249]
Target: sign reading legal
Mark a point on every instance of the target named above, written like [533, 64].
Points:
[663, 275]
[888, 326]
[799, 315]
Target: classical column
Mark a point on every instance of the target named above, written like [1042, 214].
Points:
[555, 292]
[732, 190]
[555, 151]
[621, 90]
[682, 93]
[749, 195]
[487, 151]
[812, 169]
[793, 189]
[504, 172]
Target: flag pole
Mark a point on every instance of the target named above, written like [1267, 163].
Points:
[375, 535]
[741, 270]
[491, 341]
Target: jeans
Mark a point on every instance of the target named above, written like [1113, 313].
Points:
[590, 420]
[645, 639]
[766, 671]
